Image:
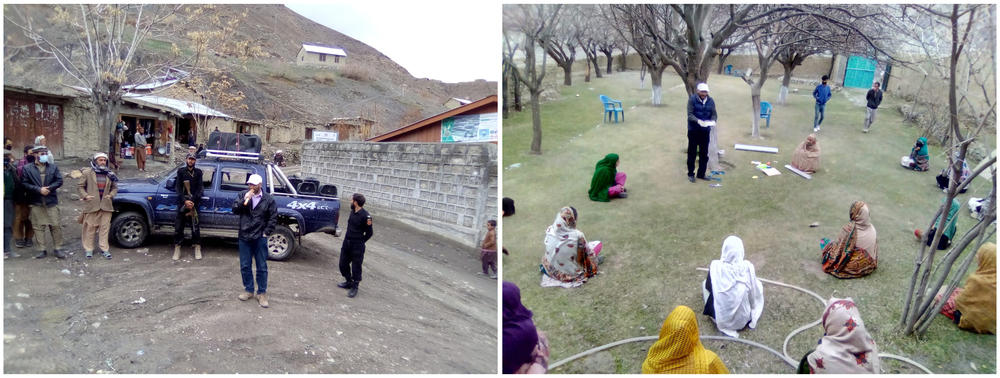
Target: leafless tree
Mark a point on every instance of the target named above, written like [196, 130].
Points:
[560, 44]
[533, 23]
[108, 40]
[919, 305]
[510, 80]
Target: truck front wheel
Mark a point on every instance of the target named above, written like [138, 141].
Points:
[129, 230]
[281, 243]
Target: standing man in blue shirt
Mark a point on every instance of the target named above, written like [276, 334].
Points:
[822, 95]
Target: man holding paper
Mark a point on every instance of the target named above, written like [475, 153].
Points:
[701, 119]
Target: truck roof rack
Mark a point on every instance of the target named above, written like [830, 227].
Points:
[236, 155]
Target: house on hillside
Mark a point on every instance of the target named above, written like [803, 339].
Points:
[321, 55]
[472, 122]
[455, 102]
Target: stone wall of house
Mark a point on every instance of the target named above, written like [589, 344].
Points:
[448, 189]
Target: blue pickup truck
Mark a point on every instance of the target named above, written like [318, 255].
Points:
[146, 206]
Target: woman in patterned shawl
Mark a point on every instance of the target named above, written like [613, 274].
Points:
[846, 347]
[568, 257]
[919, 158]
[855, 253]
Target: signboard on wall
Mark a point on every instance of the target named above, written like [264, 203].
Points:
[324, 136]
[469, 128]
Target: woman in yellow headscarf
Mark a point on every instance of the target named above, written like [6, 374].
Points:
[679, 349]
[974, 307]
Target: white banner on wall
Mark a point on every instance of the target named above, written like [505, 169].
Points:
[325, 136]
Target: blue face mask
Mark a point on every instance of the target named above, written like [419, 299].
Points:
[44, 159]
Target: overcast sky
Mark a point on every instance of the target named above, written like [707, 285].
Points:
[451, 41]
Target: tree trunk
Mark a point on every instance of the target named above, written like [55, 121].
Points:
[517, 95]
[536, 123]
[722, 62]
[503, 90]
[642, 77]
[567, 74]
[608, 59]
[785, 81]
[586, 77]
[755, 102]
[597, 68]
[623, 60]
[656, 77]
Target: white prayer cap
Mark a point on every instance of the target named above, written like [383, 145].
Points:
[255, 179]
[702, 87]
[100, 155]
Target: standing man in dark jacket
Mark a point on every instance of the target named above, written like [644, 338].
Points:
[8, 200]
[701, 119]
[41, 180]
[352, 252]
[874, 98]
[822, 94]
[188, 187]
[258, 217]
[23, 232]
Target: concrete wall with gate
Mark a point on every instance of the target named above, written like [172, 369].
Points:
[447, 189]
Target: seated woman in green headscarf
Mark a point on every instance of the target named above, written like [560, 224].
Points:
[919, 157]
[607, 181]
[949, 227]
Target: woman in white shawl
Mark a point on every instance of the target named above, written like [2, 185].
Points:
[733, 295]
[569, 260]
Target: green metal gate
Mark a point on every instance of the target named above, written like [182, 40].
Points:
[860, 72]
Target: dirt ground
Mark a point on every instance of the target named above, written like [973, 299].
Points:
[421, 309]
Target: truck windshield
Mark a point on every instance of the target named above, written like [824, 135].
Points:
[159, 177]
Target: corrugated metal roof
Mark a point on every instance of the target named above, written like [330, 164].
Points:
[180, 106]
[324, 50]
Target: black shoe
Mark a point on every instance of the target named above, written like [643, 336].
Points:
[705, 178]
[19, 243]
[353, 292]
[622, 195]
[344, 285]
[59, 254]
[691, 178]
[28, 243]
[42, 254]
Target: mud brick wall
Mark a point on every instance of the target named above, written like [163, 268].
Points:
[447, 189]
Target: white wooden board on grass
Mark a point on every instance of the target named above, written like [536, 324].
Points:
[750, 147]
[798, 172]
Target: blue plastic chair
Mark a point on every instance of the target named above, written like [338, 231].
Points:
[729, 70]
[612, 107]
[765, 112]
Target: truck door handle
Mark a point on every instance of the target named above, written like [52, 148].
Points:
[204, 198]
[163, 196]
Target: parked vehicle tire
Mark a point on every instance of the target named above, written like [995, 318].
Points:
[281, 243]
[129, 230]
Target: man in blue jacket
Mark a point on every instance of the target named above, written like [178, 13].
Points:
[41, 181]
[822, 95]
[701, 118]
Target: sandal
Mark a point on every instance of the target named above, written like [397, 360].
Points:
[106, 254]
[90, 254]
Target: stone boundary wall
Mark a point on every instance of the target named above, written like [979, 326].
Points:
[447, 189]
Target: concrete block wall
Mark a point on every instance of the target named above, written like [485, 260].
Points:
[448, 189]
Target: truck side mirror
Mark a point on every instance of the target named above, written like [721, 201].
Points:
[171, 184]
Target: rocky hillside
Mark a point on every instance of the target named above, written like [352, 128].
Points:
[371, 84]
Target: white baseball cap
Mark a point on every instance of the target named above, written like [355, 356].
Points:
[702, 87]
[255, 179]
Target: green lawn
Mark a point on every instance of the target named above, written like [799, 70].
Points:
[667, 227]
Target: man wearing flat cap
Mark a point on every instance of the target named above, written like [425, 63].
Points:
[41, 181]
[97, 188]
[189, 189]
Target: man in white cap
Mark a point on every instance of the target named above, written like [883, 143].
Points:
[701, 118]
[258, 216]
[97, 188]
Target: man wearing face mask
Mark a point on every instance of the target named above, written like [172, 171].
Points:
[188, 187]
[97, 187]
[23, 232]
[352, 252]
[258, 216]
[41, 180]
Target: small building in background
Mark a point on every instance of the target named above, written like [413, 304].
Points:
[455, 102]
[321, 55]
[472, 122]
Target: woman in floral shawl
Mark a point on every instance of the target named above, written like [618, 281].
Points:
[855, 253]
[568, 259]
[919, 158]
[846, 347]
[607, 181]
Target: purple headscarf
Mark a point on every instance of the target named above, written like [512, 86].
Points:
[519, 334]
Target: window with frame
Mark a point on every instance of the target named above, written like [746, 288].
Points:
[235, 179]
[322, 57]
[336, 59]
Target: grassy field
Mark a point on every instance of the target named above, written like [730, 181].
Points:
[656, 238]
